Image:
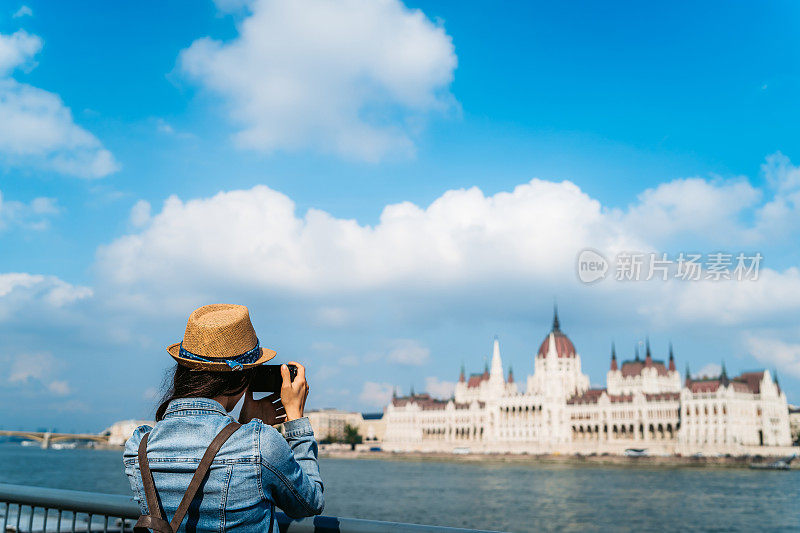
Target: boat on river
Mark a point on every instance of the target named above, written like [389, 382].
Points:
[780, 464]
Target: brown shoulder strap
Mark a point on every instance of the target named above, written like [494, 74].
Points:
[147, 481]
[200, 473]
[156, 513]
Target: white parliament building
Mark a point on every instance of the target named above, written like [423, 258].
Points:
[645, 405]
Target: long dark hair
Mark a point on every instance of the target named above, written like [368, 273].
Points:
[182, 382]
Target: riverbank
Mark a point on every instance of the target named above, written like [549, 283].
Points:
[670, 461]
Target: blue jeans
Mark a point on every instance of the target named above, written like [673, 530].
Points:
[256, 470]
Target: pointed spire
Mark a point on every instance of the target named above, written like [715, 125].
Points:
[394, 392]
[556, 325]
[723, 378]
[497, 362]
[648, 357]
[412, 390]
[671, 358]
[613, 357]
[510, 374]
[688, 375]
[461, 376]
[636, 350]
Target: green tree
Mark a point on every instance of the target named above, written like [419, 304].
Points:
[352, 436]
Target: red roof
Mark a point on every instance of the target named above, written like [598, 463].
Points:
[590, 396]
[423, 400]
[752, 380]
[634, 368]
[621, 398]
[476, 379]
[709, 385]
[746, 382]
[662, 396]
[564, 346]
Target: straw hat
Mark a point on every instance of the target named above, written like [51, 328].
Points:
[220, 337]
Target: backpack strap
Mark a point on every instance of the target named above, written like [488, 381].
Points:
[157, 523]
[156, 519]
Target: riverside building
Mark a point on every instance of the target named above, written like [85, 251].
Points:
[645, 405]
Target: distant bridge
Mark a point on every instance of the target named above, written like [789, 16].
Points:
[48, 437]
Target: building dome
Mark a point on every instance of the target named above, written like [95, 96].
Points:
[563, 346]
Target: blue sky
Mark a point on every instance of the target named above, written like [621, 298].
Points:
[654, 128]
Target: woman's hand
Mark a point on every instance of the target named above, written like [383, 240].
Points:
[294, 393]
[268, 409]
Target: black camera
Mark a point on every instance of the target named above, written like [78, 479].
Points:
[267, 378]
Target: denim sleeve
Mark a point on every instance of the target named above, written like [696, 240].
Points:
[129, 458]
[289, 468]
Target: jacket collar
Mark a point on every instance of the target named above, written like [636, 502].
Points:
[194, 404]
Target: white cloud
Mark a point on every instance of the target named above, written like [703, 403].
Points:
[38, 129]
[20, 289]
[711, 208]
[780, 173]
[376, 394]
[36, 369]
[727, 303]
[464, 236]
[140, 214]
[439, 389]
[45, 206]
[772, 351]
[17, 49]
[409, 352]
[32, 216]
[25, 367]
[349, 78]
[780, 217]
[711, 370]
[23, 11]
[59, 387]
[61, 293]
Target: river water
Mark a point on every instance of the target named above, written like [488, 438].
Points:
[509, 497]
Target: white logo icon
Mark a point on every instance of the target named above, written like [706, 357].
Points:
[592, 266]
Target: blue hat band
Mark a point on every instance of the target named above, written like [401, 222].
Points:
[236, 362]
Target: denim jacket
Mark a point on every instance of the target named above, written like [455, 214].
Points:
[256, 469]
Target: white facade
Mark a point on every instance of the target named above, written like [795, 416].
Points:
[119, 432]
[645, 405]
[329, 424]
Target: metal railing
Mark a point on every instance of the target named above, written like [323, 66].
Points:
[37, 509]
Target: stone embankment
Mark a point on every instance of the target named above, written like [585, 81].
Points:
[555, 459]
